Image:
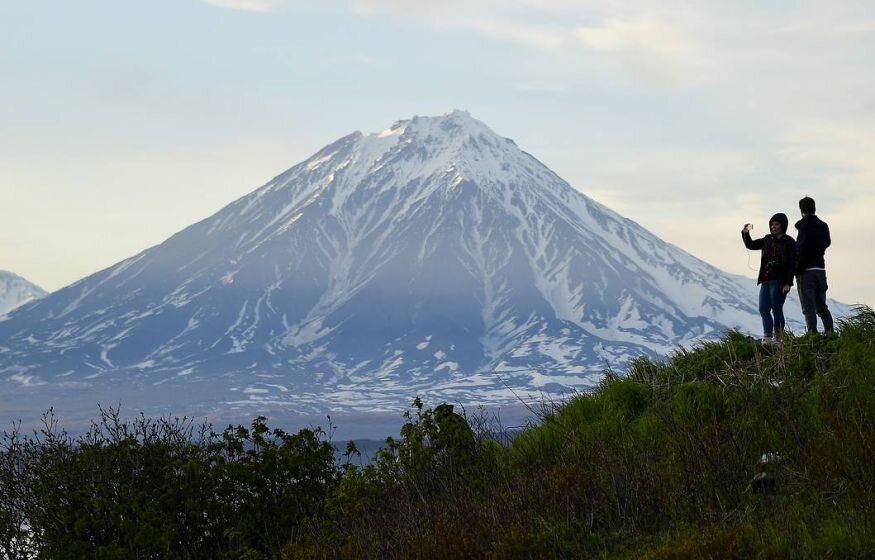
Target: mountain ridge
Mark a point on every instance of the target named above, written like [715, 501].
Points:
[434, 256]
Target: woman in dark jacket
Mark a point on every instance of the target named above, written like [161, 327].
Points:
[777, 266]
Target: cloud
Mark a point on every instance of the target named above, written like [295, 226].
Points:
[849, 265]
[364, 59]
[247, 5]
[543, 88]
[838, 154]
[616, 35]
[671, 177]
[653, 52]
[489, 18]
[539, 36]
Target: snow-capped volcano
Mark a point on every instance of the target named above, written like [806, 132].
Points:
[15, 291]
[434, 257]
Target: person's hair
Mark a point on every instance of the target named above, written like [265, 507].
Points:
[806, 205]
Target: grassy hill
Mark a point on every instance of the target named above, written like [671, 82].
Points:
[730, 450]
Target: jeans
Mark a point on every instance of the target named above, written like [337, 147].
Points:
[772, 304]
[812, 288]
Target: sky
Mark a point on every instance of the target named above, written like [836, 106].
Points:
[123, 122]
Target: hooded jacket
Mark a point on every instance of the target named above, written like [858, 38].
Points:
[785, 252]
[811, 242]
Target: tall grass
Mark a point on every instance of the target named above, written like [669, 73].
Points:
[658, 463]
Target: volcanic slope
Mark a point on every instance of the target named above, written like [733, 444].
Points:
[432, 258]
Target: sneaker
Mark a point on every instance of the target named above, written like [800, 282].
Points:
[768, 340]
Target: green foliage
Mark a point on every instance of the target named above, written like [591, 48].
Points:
[714, 542]
[161, 489]
[14, 468]
[426, 478]
[658, 464]
[272, 483]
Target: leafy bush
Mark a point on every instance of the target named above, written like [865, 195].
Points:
[160, 489]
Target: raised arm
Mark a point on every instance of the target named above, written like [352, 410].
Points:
[752, 244]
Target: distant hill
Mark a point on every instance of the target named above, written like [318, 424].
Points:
[15, 291]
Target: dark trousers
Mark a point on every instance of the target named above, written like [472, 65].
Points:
[772, 306]
[812, 295]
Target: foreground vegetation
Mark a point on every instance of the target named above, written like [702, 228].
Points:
[658, 464]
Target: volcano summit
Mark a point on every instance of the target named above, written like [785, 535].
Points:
[432, 258]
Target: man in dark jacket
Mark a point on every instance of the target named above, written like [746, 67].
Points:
[777, 266]
[811, 242]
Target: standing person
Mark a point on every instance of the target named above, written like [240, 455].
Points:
[777, 266]
[811, 242]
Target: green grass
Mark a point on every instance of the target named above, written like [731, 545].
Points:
[657, 464]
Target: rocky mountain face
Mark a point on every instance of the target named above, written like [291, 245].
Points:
[432, 258]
